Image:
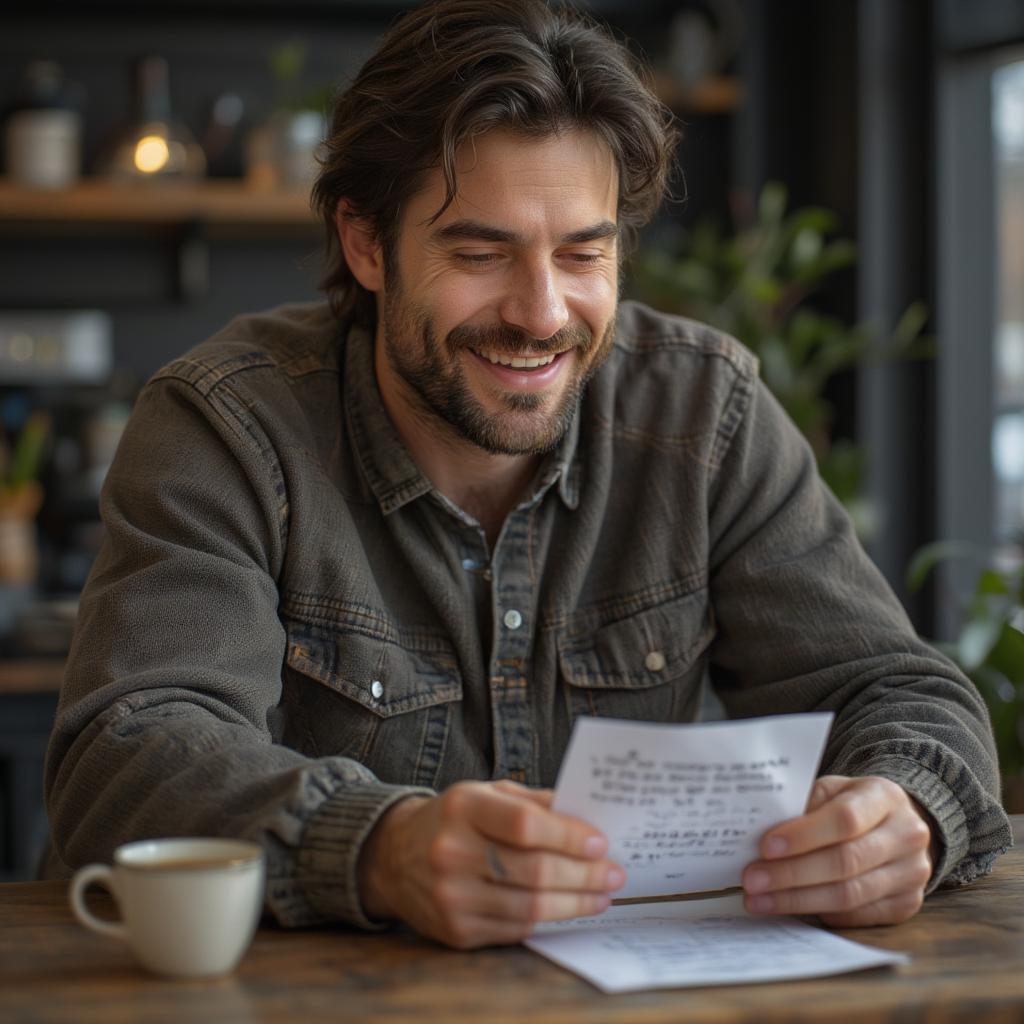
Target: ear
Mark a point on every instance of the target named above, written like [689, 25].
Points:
[363, 253]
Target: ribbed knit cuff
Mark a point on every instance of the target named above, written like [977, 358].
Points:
[940, 802]
[328, 856]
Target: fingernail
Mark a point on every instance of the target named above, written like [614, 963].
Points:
[756, 881]
[595, 846]
[760, 904]
[775, 847]
[601, 903]
[616, 878]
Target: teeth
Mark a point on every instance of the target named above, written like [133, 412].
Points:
[518, 362]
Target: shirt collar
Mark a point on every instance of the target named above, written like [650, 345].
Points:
[393, 476]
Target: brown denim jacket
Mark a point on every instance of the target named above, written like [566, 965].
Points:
[288, 628]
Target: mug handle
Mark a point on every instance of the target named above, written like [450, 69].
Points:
[84, 877]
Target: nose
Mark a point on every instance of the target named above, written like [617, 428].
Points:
[535, 303]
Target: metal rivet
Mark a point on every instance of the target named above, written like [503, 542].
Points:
[655, 661]
[513, 620]
[377, 689]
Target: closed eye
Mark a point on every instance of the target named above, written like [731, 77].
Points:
[478, 257]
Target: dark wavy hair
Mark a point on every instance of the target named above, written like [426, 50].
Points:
[451, 70]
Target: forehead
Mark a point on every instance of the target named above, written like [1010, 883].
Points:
[552, 183]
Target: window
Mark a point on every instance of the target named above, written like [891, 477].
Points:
[1008, 366]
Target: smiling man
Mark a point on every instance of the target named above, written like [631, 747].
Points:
[368, 560]
[495, 315]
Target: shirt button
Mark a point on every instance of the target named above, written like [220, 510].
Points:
[655, 661]
[377, 689]
[513, 620]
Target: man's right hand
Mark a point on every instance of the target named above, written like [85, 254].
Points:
[482, 863]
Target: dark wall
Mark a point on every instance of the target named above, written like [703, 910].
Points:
[134, 277]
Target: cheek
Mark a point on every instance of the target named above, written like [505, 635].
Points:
[594, 300]
[461, 300]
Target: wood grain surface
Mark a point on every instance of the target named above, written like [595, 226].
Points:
[967, 946]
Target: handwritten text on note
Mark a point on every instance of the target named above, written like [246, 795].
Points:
[684, 806]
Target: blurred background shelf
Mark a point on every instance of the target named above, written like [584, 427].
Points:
[716, 94]
[217, 203]
[31, 675]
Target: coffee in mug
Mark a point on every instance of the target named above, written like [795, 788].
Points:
[189, 907]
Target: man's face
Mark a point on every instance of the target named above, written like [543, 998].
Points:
[495, 315]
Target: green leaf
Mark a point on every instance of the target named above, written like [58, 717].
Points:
[771, 205]
[842, 469]
[763, 290]
[816, 218]
[1007, 656]
[837, 255]
[925, 559]
[975, 641]
[910, 325]
[775, 366]
[991, 582]
[27, 458]
[806, 249]
[287, 61]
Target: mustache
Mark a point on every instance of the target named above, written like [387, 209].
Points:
[514, 341]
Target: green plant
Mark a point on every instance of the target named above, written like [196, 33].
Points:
[287, 64]
[754, 284]
[21, 462]
[989, 646]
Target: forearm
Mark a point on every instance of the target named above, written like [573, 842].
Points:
[806, 622]
[149, 767]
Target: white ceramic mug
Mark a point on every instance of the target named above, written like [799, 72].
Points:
[189, 907]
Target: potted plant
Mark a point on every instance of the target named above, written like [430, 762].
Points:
[989, 647]
[754, 284]
[282, 151]
[20, 498]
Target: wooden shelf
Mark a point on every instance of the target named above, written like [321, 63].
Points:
[217, 203]
[722, 94]
[31, 675]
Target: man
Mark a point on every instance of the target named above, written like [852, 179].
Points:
[366, 564]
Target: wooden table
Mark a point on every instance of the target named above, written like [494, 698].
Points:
[967, 947]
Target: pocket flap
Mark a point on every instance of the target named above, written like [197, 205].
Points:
[381, 675]
[645, 649]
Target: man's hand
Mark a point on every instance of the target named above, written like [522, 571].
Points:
[482, 862]
[860, 855]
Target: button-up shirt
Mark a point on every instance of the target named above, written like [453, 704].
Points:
[288, 628]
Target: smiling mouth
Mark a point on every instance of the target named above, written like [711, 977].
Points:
[518, 362]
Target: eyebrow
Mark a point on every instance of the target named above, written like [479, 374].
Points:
[478, 231]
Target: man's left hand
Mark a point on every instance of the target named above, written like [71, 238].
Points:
[860, 855]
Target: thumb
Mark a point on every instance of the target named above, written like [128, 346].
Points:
[824, 789]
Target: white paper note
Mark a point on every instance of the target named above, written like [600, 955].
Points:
[683, 806]
[697, 942]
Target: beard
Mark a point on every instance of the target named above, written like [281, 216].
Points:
[529, 423]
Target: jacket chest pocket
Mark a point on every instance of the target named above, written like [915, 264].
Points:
[386, 704]
[646, 666]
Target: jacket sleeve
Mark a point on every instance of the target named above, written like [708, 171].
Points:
[806, 622]
[166, 716]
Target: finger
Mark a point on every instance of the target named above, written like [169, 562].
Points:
[897, 836]
[472, 931]
[477, 897]
[514, 821]
[904, 876]
[851, 812]
[891, 910]
[544, 797]
[824, 789]
[533, 870]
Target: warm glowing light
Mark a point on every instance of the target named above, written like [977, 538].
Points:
[151, 154]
